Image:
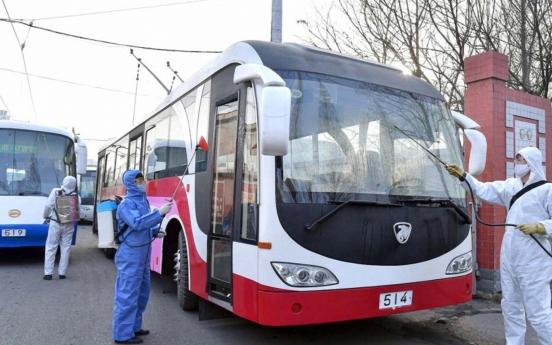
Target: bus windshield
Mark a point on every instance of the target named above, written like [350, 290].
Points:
[32, 163]
[87, 187]
[345, 145]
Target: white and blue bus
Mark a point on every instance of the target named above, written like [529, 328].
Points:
[33, 159]
[87, 187]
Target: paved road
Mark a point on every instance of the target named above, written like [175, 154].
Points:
[78, 311]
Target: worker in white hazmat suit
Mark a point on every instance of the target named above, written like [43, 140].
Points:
[60, 232]
[525, 268]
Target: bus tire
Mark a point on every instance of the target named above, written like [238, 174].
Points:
[186, 299]
[109, 252]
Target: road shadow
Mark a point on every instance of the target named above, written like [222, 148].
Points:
[23, 255]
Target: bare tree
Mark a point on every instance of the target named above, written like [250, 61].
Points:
[433, 37]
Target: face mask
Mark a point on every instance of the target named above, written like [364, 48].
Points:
[521, 170]
[142, 187]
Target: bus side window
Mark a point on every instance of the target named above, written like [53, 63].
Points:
[110, 166]
[156, 137]
[203, 126]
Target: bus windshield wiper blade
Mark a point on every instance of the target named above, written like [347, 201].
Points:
[314, 225]
[457, 208]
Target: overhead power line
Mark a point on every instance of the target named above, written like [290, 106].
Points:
[107, 42]
[23, 56]
[74, 83]
[113, 11]
[6, 105]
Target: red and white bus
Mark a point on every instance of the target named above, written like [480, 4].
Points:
[315, 201]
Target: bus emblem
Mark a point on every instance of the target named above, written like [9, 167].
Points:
[14, 213]
[402, 231]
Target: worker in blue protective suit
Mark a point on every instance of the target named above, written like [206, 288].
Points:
[525, 269]
[133, 257]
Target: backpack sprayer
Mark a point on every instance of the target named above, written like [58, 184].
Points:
[201, 145]
[471, 192]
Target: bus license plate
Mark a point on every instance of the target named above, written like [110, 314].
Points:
[14, 232]
[395, 299]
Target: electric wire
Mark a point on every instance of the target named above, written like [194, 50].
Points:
[114, 11]
[108, 42]
[5, 104]
[135, 93]
[23, 56]
[74, 83]
[27, 37]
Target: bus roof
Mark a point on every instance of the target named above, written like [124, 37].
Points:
[296, 57]
[35, 127]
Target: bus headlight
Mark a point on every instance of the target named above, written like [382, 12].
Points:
[460, 264]
[304, 275]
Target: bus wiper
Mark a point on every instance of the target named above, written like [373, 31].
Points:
[457, 208]
[314, 225]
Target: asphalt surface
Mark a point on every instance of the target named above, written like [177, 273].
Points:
[79, 309]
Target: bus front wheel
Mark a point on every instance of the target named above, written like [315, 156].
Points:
[187, 299]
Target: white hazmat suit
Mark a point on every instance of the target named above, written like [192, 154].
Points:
[525, 269]
[58, 234]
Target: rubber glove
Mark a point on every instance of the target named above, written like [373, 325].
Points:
[165, 208]
[161, 234]
[455, 170]
[529, 229]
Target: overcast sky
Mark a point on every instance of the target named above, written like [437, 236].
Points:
[91, 86]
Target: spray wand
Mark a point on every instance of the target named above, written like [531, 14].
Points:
[471, 192]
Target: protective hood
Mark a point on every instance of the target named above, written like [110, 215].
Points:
[533, 156]
[128, 181]
[69, 184]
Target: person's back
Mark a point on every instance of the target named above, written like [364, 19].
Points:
[60, 231]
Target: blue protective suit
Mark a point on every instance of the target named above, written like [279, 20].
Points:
[132, 259]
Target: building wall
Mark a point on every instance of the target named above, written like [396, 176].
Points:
[510, 120]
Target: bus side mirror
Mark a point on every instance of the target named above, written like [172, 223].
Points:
[478, 152]
[274, 114]
[82, 156]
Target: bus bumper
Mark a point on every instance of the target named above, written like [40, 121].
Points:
[86, 213]
[312, 307]
[35, 235]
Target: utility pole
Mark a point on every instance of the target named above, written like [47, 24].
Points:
[276, 27]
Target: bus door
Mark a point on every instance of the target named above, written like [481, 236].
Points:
[223, 214]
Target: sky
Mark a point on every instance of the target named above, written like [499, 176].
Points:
[92, 86]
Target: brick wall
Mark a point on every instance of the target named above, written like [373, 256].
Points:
[503, 114]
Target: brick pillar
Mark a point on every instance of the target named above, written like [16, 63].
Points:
[510, 120]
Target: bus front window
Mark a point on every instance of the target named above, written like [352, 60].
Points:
[32, 163]
[345, 143]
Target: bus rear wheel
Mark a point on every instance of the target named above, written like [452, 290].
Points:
[109, 252]
[186, 299]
